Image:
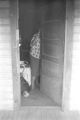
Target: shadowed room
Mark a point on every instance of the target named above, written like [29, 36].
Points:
[40, 59]
[41, 78]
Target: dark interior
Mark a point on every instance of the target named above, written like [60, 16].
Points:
[49, 17]
[30, 20]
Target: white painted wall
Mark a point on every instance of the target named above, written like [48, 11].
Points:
[75, 76]
[6, 83]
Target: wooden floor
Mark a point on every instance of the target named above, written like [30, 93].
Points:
[39, 113]
[38, 107]
[36, 98]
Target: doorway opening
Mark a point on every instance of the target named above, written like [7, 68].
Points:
[34, 16]
[29, 24]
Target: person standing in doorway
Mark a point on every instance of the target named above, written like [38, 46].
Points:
[35, 58]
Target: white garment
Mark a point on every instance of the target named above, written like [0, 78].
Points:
[26, 72]
[27, 75]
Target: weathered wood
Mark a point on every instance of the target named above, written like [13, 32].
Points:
[68, 53]
[4, 4]
[53, 39]
[6, 81]
[75, 76]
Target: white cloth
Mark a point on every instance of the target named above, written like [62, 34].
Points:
[25, 72]
[27, 75]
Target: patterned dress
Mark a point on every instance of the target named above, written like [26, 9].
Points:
[35, 45]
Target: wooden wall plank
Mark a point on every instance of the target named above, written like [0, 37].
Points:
[15, 52]
[6, 80]
[75, 75]
[68, 53]
[4, 13]
[4, 4]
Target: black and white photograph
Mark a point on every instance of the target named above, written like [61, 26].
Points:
[39, 59]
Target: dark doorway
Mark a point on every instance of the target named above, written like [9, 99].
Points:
[49, 17]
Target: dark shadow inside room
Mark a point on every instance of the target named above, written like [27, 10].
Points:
[39, 77]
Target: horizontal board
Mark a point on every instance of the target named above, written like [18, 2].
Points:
[48, 12]
[6, 69]
[5, 54]
[77, 11]
[52, 59]
[77, 15]
[8, 97]
[4, 4]
[6, 83]
[4, 13]
[4, 29]
[47, 68]
[54, 30]
[4, 103]
[6, 61]
[5, 38]
[77, 4]
[4, 21]
[53, 50]
[76, 37]
[6, 106]
[76, 29]
[76, 45]
[7, 78]
[7, 75]
[76, 21]
[7, 89]
[7, 100]
[5, 46]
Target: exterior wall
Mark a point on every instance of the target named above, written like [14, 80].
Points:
[71, 82]
[75, 76]
[6, 83]
[68, 53]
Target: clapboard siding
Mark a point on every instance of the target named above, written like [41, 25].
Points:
[4, 13]
[75, 75]
[76, 31]
[6, 83]
[4, 4]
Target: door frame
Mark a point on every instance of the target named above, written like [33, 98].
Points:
[16, 54]
[14, 16]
